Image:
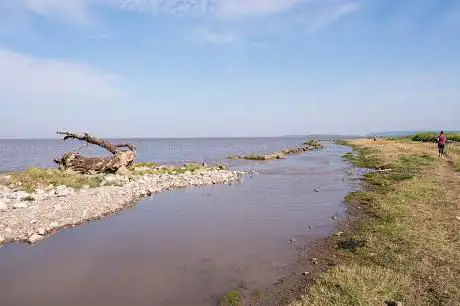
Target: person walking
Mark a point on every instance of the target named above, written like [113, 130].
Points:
[442, 139]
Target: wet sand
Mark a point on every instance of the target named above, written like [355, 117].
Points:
[186, 247]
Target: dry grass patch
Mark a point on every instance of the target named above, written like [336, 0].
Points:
[34, 178]
[357, 285]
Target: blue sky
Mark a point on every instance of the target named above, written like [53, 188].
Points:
[200, 68]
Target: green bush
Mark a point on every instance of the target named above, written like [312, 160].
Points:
[431, 137]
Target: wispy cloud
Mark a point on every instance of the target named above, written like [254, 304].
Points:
[79, 9]
[237, 8]
[215, 37]
[223, 8]
[327, 15]
[72, 10]
[29, 79]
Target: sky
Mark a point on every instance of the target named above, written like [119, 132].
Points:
[220, 68]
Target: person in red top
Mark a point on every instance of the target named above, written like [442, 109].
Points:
[442, 139]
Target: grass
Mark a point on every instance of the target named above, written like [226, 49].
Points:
[146, 164]
[231, 298]
[407, 248]
[453, 154]
[34, 178]
[314, 143]
[172, 169]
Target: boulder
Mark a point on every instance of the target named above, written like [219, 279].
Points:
[35, 238]
[17, 195]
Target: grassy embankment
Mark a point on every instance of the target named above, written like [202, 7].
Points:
[406, 247]
[34, 178]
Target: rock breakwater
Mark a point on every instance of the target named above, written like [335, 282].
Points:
[307, 146]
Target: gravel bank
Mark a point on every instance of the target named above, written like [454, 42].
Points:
[30, 217]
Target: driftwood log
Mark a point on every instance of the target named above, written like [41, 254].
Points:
[122, 159]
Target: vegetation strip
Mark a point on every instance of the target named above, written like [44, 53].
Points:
[307, 146]
[405, 248]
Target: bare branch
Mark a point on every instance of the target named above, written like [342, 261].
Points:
[92, 140]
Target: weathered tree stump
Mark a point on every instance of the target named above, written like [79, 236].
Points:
[120, 162]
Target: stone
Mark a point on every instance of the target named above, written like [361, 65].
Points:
[39, 191]
[334, 218]
[63, 192]
[54, 224]
[458, 218]
[317, 189]
[58, 207]
[20, 205]
[3, 206]
[41, 231]
[315, 261]
[310, 227]
[305, 273]
[110, 178]
[35, 238]
[17, 195]
[33, 221]
[292, 240]
[339, 233]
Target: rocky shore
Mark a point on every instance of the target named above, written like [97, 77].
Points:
[29, 217]
[307, 146]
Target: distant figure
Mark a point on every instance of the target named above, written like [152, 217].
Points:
[442, 139]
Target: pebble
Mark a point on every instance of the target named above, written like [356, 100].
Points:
[35, 238]
[315, 261]
[292, 240]
[2, 239]
[20, 205]
[63, 192]
[3, 206]
[41, 231]
[334, 218]
[305, 273]
[317, 190]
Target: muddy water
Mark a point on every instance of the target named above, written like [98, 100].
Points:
[185, 247]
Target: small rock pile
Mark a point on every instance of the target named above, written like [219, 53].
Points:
[30, 216]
